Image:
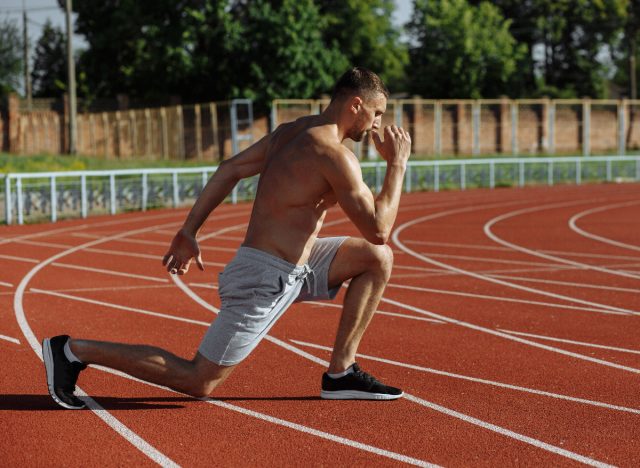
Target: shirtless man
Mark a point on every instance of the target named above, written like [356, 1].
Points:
[304, 169]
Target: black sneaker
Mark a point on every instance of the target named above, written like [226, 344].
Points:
[62, 374]
[357, 386]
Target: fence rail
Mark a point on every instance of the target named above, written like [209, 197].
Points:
[37, 196]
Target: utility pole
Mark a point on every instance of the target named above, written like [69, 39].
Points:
[25, 48]
[71, 72]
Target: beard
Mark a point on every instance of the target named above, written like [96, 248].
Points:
[357, 137]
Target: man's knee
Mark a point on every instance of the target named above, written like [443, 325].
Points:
[205, 377]
[382, 259]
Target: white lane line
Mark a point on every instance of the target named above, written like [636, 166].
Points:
[478, 380]
[506, 249]
[8, 285]
[574, 219]
[401, 245]
[121, 253]
[487, 260]
[15, 258]
[511, 337]
[503, 299]
[283, 422]
[565, 283]
[508, 433]
[159, 243]
[381, 312]
[120, 307]
[562, 340]
[110, 288]
[8, 338]
[110, 272]
[135, 440]
[489, 224]
[433, 406]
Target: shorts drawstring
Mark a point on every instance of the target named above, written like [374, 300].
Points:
[302, 276]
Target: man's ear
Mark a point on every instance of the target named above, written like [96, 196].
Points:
[356, 104]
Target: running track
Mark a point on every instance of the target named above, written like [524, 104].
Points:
[511, 320]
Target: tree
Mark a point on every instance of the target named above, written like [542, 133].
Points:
[152, 49]
[461, 51]
[283, 54]
[10, 57]
[49, 75]
[364, 33]
[569, 44]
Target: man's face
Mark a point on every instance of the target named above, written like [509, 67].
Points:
[368, 117]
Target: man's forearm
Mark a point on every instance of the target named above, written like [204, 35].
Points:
[388, 199]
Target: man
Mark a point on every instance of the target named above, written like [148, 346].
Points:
[304, 169]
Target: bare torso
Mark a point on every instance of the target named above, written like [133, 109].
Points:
[293, 195]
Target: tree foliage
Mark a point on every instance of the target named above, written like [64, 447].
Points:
[365, 34]
[281, 55]
[461, 51]
[49, 74]
[570, 44]
[10, 57]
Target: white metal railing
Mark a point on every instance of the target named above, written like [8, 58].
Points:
[81, 193]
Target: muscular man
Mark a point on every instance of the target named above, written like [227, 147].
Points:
[304, 169]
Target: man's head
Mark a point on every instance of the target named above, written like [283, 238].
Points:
[364, 96]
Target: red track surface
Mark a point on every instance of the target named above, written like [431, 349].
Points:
[511, 321]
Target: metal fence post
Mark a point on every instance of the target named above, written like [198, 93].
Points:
[407, 180]
[54, 200]
[83, 195]
[397, 111]
[112, 193]
[176, 195]
[578, 172]
[550, 173]
[492, 174]
[378, 177]
[145, 190]
[521, 175]
[20, 200]
[436, 178]
[8, 203]
[463, 176]
[608, 165]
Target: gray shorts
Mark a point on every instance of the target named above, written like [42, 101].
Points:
[255, 290]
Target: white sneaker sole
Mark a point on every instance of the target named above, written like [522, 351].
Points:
[47, 356]
[356, 395]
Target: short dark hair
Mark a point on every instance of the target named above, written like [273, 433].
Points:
[359, 80]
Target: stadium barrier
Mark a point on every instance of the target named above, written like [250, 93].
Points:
[32, 197]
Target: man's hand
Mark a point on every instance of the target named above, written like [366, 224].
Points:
[396, 147]
[184, 247]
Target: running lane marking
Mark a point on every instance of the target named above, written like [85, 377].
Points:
[8, 285]
[562, 340]
[134, 439]
[469, 419]
[479, 380]
[574, 219]
[402, 246]
[511, 337]
[503, 299]
[285, 423]
[8, 338]
[491, 235]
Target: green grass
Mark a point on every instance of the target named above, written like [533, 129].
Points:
[53, 163]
